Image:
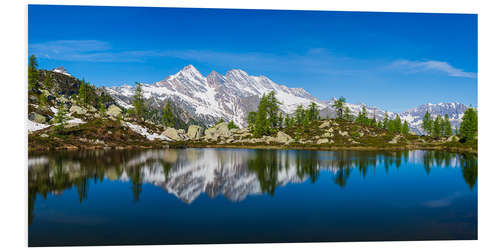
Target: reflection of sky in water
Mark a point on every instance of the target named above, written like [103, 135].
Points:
[227, 195]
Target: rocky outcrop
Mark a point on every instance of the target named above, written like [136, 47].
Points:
[75, 109]
[174, 134]
[219, 131]
[37, 117]
[113, 111]
[395, 139]
[323, 141]
[194, 132]
[283, 138]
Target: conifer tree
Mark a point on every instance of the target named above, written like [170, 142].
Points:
[168, 116]
[347, 114]
[32, 72]
[427, 123]
[397, 124]
[468, 127]
[299, 115]
[138, 101]
[61, 118]
[338, 105]
[447, 131]
[405, 129]
[313, 112]
[83, 93]
[47, 82]
[386, 121]
[436, 127]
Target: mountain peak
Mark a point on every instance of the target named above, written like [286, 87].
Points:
[61, 70]
[237, 72]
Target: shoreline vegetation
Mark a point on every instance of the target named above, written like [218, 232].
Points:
[66, 113]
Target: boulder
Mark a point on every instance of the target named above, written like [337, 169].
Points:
[325, 124]
[113, 111]
[173, 134]
[194, 132]
[343, 133]
[327, 134]
[220, 130]
[33, 116]
[453, 138]
[77, 109]
[323, 141]
[283, 138]
[395, 139]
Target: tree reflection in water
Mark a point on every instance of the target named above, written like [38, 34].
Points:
[187, 173]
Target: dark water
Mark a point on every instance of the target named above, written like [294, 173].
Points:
[239, 195]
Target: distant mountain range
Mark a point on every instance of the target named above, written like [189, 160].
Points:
[233, 95]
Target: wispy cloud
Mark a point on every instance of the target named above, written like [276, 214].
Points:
[422, 66]
[315, 60]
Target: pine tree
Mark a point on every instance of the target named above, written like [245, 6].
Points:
[83, 93]
[447, 131]
[427, 123]
[138, 101]
[338, 104]
[397, 124]
[405, 129]
[347, 114]
[32, 72]
[313, 112]
[386, 121]
[60, 118]
[436, 127]
[168, 116]
[299, 115]
[362, 117]
[468, 127]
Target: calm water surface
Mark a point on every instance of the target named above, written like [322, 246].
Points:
[240, 195]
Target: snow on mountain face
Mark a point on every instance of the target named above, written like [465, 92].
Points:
[233, 95]
[230, 96]
[61, 70]
[415, 116]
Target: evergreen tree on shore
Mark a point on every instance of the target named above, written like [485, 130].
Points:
[447, 131]
[168, 116]
[468, 127]
[427, 123]
[138, 101]
[436, 127]
[338, 105]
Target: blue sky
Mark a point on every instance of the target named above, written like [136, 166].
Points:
[392, 60]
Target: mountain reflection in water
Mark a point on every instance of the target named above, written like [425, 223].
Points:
[233, 173]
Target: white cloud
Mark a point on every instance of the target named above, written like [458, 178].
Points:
[421, 66]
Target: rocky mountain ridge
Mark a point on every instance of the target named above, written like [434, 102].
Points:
[233, 95]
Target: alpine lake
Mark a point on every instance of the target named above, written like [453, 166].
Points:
[202, 195]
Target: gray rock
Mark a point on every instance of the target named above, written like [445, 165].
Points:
[343, 133]
[323, 141]
[37, 117]
[194, 132]
[282, 137]
[453, 138]
[395, 139]
[44, 135]
[325, 124]
[77, 109]
[113, 111]
[173, 134]
[218, 131]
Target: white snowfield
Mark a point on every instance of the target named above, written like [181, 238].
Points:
[34, 126]
[143, 131]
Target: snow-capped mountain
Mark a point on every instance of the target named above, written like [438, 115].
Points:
[230, 96]
[61, 70]
[415, 116]
[233, 95]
